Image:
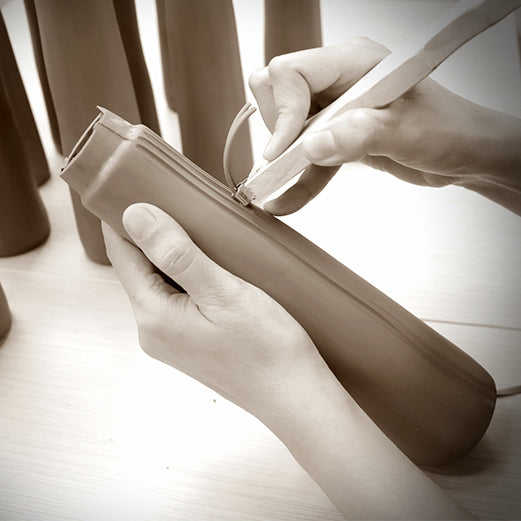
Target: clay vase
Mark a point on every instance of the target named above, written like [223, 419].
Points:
[203, 80]
[128, 26]
[428, 396]
[86, 65]
[35, 155]
[5, 315]
[23, 219]
[42, 73]
[291, 25]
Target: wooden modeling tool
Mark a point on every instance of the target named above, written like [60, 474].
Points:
[386, 82]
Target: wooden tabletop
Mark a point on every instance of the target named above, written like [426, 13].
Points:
[93, 429]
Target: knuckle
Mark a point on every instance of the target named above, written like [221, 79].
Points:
[175, 257]
[367, 44]
[280, 66]
[258, 79]
[366, 126]
[231, 299]
[230, 296]
[361, 41]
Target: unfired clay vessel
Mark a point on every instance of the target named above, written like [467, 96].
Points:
[23, 219]
[428, 396]
[86, 65]
[291, 25]
[203, 80]
[5, 315]
[22, 112]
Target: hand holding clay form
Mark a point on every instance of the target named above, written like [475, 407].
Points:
[430, 136]
[234, 338]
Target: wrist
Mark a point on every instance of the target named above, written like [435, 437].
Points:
[494, 162]
[348, 456]
[298, 396]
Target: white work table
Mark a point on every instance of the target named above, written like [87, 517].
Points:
[93, 429]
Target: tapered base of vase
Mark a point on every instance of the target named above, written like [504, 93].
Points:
[5, 316]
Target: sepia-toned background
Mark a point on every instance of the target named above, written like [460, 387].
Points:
[93, 429]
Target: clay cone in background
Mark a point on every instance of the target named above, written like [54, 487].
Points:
[5, 315]
[22, 113]
[128, 26]
[42, 73]
[23, 219]
[86, 65]
[291, 25]
[203, 80]
[168, 76]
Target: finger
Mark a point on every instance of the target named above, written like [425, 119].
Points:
[290, 80]
[262, 90]
[406, 173]
[310, 184]
[351, 136]
[292, 99]
[169, 248]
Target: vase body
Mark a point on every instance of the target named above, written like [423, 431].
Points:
[86, 65]
[32, 21]
[24, 223]
[203, 80]
[430, 398]
[5, 315]
[22, 113]
[291, 25]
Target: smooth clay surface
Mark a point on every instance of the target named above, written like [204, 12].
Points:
[430, 398]
[24, 223]
[5, 315]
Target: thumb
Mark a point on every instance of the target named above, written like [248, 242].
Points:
[348, 137]
[170, 248]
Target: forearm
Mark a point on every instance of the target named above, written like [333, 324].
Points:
[355, 464]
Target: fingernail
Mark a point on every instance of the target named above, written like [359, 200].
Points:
[139, 222]
[320, 146]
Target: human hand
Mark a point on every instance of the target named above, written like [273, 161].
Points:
[429, 136]
[224, 332]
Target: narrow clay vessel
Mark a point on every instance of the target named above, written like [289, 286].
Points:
[22, 112]
[42, 73]
[86, 65]
[5, 315]
[23, 220]
[291, 25]
[428, 396]
[128, 26]
[203, 80]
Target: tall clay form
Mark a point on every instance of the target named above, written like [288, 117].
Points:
[291, 25]
[5, 315]
[37, 162]
[429, 397]
[23, 220]
[128, 26]
[86, 66]
[42, 73]
[203, 79]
